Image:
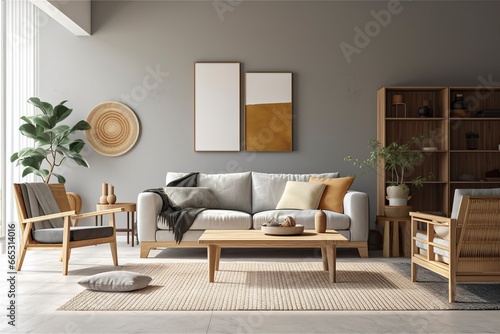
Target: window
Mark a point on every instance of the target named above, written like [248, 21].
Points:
[19, 38]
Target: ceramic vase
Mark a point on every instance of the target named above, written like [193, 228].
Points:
[104, 196]
[320, 222]
[111, 196]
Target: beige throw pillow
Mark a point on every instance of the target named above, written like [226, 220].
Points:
[301, 195]
[333, 196]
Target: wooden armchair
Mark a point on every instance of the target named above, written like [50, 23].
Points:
[37, 232]
[462, 249]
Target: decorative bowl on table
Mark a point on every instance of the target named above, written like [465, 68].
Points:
[281, 230]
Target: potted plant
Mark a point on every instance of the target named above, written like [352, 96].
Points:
[52, 144]
[398, 160]
[471, 139]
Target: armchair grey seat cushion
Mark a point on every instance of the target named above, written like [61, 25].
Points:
[55, 235]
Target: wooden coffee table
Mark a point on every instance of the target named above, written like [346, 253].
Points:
[217, 239]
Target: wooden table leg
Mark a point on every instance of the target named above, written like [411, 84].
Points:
[133, 228]
[128, 228]
[395, 238]
[387, 239]
[324, 257]
[332, 262]
[212, 257]
[217, 259]
[407, 242]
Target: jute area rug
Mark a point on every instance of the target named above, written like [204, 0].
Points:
[286, 286]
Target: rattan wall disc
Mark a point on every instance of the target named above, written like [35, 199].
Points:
[115, 128]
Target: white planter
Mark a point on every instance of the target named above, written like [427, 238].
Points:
[398, 195]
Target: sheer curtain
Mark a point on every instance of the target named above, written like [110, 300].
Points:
[20, 23]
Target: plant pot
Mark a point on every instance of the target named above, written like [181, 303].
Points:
[471, 143]
[398, 195]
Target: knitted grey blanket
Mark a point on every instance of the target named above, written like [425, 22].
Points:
[177, 219]
[39, 201]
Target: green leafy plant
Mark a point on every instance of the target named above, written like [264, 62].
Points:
[395, 158]
[52, 143]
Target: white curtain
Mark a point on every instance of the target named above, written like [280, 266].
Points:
[21, 20]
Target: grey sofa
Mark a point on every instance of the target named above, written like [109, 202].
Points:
[246, 200]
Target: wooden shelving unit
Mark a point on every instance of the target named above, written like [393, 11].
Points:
[452, 165]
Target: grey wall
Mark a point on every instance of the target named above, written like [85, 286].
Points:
[425, 43]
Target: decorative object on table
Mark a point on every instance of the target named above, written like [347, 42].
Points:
[111, 195]
[397, 103]
[51, 141]
[273, 221]
[320, 221]
[289, 222]
[425, 110]
[217, 107]
[471, 140]
[104, 194]
[459, 107]
[268, 112]
[399, 160]
[281, 230]
[115, 128]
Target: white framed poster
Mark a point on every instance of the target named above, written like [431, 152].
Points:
[217, 107]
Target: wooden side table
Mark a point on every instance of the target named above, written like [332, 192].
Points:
[391, 235]
[129, 208]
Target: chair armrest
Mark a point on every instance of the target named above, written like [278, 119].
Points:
[96, 213]
[430, 218]
[48, 217]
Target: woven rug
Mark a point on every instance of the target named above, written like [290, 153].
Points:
[286, 286]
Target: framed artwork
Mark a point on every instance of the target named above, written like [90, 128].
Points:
[217, 107]
[268, 112]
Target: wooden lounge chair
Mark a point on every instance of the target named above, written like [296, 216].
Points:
[461, 249]
[36, 232]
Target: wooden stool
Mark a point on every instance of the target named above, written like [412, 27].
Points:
[391, 235]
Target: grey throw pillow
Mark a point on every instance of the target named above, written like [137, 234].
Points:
[116, 281]
[192, 197]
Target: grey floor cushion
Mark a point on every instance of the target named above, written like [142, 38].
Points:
[116, 281]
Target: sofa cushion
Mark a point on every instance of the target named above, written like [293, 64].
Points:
[222, 220]
[267, 188]
[334, 220]
[77, 233]
[333, 195]
[233, 191]
[301, 195]
[191, 197]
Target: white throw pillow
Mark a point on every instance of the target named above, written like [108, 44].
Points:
[301, 195]
[116, 281]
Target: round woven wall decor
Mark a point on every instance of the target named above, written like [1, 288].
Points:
[115, 128]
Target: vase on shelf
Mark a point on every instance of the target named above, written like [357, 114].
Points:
[425, 110]
[111, 196]
[459, 107]
[104, 195]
